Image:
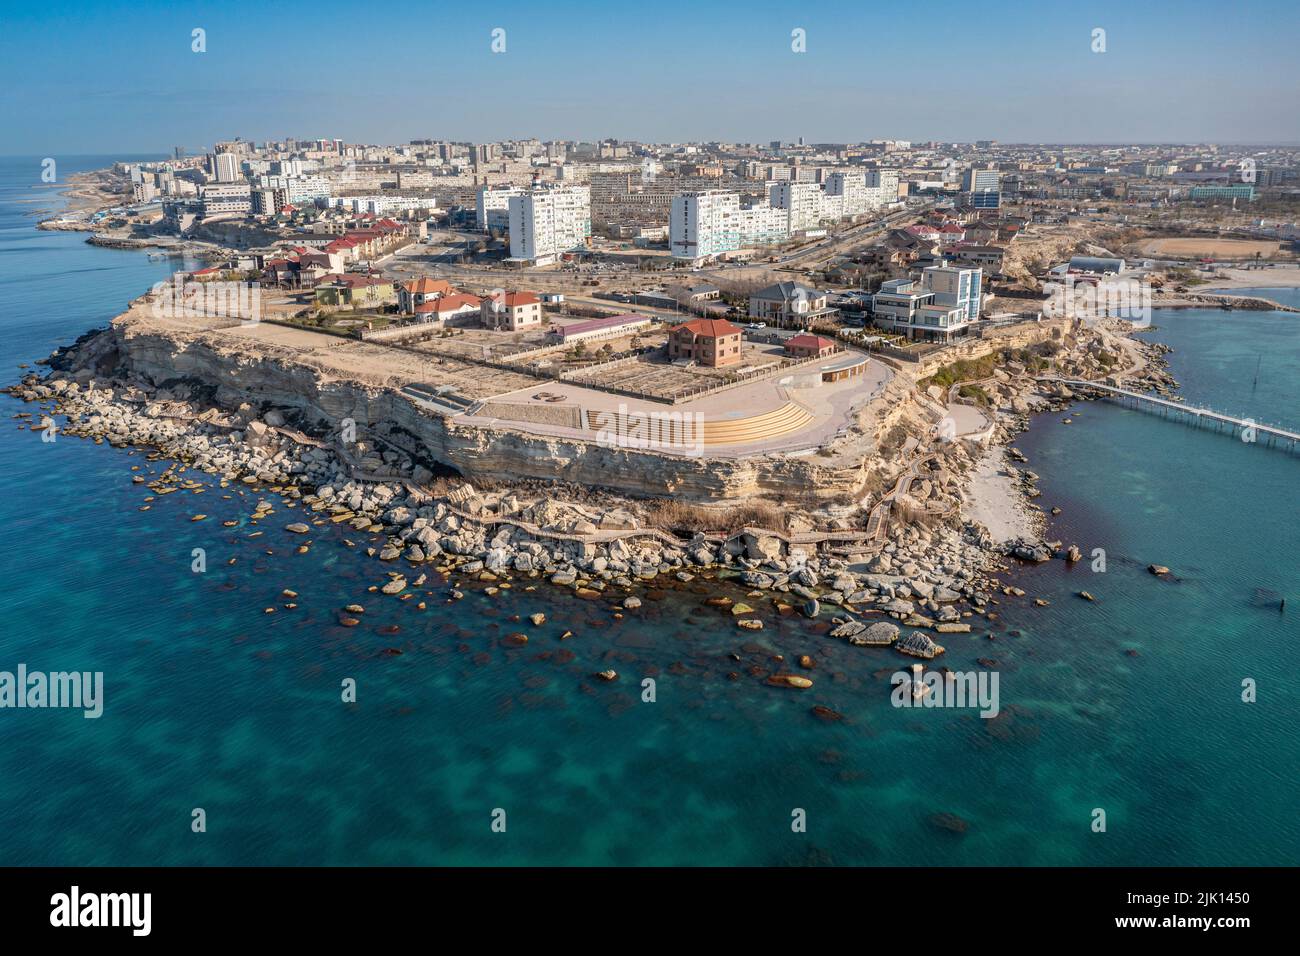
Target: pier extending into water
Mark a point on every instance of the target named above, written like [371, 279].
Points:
[1270, 435]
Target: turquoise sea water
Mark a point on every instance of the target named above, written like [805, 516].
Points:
[212, 703]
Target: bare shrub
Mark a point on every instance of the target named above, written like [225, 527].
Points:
[668, 514]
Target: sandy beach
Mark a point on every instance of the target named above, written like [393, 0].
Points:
[996, 501]
[1278, 277]
[77, 197]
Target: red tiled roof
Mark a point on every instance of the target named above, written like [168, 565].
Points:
[513, 299]
[425, 286]
[809, 342]
[458, 300]
[709, 328]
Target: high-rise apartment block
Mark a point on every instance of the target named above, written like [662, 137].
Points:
[492, 207]
[548, 221]
[712, 222]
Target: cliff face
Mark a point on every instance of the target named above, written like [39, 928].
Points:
[275, 378]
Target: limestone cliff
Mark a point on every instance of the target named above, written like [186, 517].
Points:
[276, 377]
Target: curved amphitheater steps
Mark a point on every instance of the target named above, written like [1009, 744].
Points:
[790, 417]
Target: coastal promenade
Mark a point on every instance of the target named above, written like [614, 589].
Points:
[1271, 435]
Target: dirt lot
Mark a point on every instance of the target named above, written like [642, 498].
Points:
[1210, 248]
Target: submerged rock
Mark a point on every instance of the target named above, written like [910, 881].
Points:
[949, 821]
[790, 680]
[848, 630]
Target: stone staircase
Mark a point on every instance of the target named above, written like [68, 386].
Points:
[666, 429]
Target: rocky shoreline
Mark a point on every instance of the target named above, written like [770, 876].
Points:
[933, 576]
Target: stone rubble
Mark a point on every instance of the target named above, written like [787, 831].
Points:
[932, 572]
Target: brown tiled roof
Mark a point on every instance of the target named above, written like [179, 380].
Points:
[710, 328]
[424, 286]
[449, 303]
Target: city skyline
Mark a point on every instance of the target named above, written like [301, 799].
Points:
[1164, 77]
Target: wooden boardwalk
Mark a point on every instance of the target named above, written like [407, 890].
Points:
[1271, 435]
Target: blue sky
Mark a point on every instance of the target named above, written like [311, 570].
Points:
[105, 77]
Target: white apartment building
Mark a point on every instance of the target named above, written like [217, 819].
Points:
[801, 201]
[492, 207]
[379, 205]
[845, 194]
[286, 167]
[306, 189]
[884, 182]
[712, 222]
[546, 221]
[225, 200]
[850, 189]
[225, 167]
[267, 201]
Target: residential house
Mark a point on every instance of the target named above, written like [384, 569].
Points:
[454, 305]
[988, 258]
[511, 311]
[355, 291]
[925, 232]
[712, 342]
[943, 306]
[696, 294]
[416, 292]
[806, 345]
[789, 305]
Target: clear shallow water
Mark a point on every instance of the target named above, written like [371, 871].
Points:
[212, 703]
